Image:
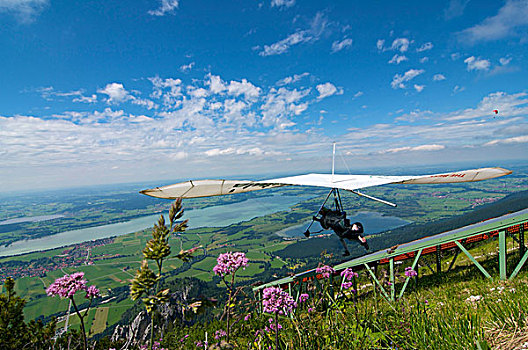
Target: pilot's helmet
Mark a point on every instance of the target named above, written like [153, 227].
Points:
[359, 226]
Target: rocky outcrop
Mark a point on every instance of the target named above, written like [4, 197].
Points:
[138, 332]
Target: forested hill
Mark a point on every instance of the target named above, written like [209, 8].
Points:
[312, 248]
[509, 204]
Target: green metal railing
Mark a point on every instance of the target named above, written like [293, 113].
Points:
[511, 225]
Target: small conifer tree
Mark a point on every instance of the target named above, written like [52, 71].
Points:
[145, 283]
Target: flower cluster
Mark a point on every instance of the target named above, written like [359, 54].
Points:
[275, 300]
[228, 263]
[272, 327]
[325, 270]
[220, 334]
[68, 285]
[409, 272]
[348, 275]
[303, 297]
[348, 285]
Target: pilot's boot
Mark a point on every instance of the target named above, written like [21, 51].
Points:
[346, 253]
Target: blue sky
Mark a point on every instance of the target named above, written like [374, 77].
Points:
[109, 92]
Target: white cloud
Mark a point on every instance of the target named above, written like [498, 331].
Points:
[253, 151]
[197, 92]
[116, 93]
[397, 59]
[358, 94]
[166, 7]
[517, 139]
[50, 94]
[24, 10]
[505, 60]
[216, 85]
[293, 79]
[279, 105]
[399, 80]
[245, 88]
[280, 3]
[424, 59]
[86, 99]
[168, 90]
[455, 9]
[380, 43]
[148, 104]
[200, 125]
[187, 67]
[340, 45]
[476, 63]
[401, 44]
[282, 46]
[419, 88]
[317, 27]
[326, 90]
[140, 119]
[425, 47]
[509, 105]
[414, 116]
[422, 148]
[507, 22]
[458, 89]
[439, 77]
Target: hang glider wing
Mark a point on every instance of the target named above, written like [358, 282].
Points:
[207, 188]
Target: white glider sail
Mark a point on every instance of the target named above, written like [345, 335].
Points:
[207, 188]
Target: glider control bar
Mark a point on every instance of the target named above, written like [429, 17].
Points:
[373, 198]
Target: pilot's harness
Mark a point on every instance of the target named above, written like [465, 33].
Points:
[337, 204]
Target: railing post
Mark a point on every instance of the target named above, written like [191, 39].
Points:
[522, 247]
[502, 254]
[438, 259]
[392, 279]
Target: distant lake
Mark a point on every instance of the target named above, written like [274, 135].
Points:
[30, 219]
[373, 222]
[215, 216]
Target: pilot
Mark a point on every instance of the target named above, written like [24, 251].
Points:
[338, 222]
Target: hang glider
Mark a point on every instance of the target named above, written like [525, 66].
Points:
[352, 183]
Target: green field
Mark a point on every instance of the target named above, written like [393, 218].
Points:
[100, 320]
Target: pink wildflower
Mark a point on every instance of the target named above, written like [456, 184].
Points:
[228, 263]
[303, 297]
[68, 285]
[347, 285]
[247, 317]
[325, 270]
[220, 334]
[348, 274]
[409, 272]
[272, 327]
[276, 300]
[92, 292]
